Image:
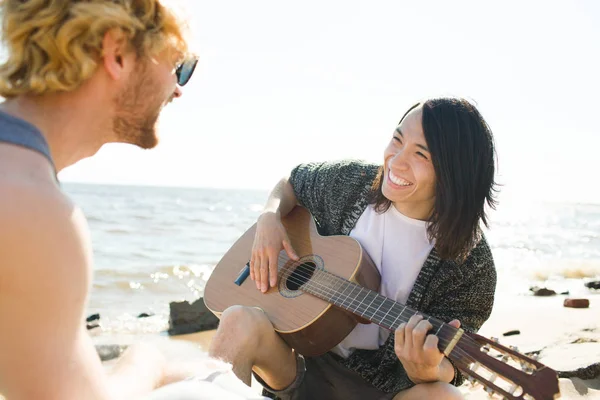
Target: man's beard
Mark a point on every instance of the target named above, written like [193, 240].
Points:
[137, 112]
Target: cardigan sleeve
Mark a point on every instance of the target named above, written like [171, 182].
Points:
[309, 181]
[327, 189]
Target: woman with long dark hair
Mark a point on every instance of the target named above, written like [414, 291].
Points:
[418, 215]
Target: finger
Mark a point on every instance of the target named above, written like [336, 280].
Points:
[264, 273]
[432, 352]
[257, 262]
[413, 321]
[419, 333]
[251, 266]
[273, 268]
[410, 326]
[290, 250]
[399, 337]
[455, 323]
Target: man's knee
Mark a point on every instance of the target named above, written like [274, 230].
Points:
[240, 328]
[436, 390]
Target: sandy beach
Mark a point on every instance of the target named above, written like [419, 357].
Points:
[564, 338]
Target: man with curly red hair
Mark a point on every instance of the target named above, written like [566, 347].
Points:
[77, 75]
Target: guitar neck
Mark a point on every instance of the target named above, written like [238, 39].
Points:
[368, 304]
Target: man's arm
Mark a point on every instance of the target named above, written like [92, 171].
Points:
[45, 275]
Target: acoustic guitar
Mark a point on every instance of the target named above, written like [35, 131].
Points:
[321, 297]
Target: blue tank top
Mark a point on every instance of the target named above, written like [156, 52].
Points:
[16, 131]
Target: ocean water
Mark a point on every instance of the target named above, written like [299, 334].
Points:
[155, 245]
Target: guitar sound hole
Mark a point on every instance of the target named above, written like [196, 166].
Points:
[301, 275]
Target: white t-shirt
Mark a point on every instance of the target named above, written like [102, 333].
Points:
[398, 245]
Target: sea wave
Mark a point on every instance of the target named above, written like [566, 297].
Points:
[166, 279]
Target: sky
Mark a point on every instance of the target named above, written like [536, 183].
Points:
[280, 83]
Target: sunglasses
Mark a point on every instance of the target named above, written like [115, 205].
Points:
[185, 70]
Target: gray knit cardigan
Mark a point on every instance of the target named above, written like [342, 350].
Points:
[336, 195]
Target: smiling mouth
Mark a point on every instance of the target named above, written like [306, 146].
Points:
[397, 180]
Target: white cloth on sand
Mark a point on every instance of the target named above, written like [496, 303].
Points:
[217, 382]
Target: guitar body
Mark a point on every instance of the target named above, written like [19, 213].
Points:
[308, 324]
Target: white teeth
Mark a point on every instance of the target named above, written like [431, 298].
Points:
[398, 181]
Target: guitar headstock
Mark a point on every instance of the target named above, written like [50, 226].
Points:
[503, 371]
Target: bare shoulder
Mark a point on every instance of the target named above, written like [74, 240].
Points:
[17, 194]
[45, 272]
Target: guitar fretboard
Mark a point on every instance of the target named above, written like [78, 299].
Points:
[369, 304]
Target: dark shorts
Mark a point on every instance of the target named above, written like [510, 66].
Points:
[324, 378]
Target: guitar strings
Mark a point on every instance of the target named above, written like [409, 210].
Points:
[327, 291]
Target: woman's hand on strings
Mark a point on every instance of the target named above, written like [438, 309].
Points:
[418, 351]
[270, 238]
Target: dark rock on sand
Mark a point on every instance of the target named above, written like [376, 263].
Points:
[512, 333]
[91, 326]
[537, 291]
[145, 315]
[188, 318]
[93, 317]
[589, 372]
[593, 285]
[577, 303]
[584, 340]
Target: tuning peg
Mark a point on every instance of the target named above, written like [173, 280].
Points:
[495, 340]
[475, 366]
[472, 380]
[515, 348]
[526, 367]
[486, 348]
[490, 391]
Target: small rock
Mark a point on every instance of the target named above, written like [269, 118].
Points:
[93, 317]
[512, 333]
[565, 293]
[537, 291]
[91, 326]
[590, 372]
[593, 285]
[584, 340]
[145, 315]
[188, 318]
[577, 303]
